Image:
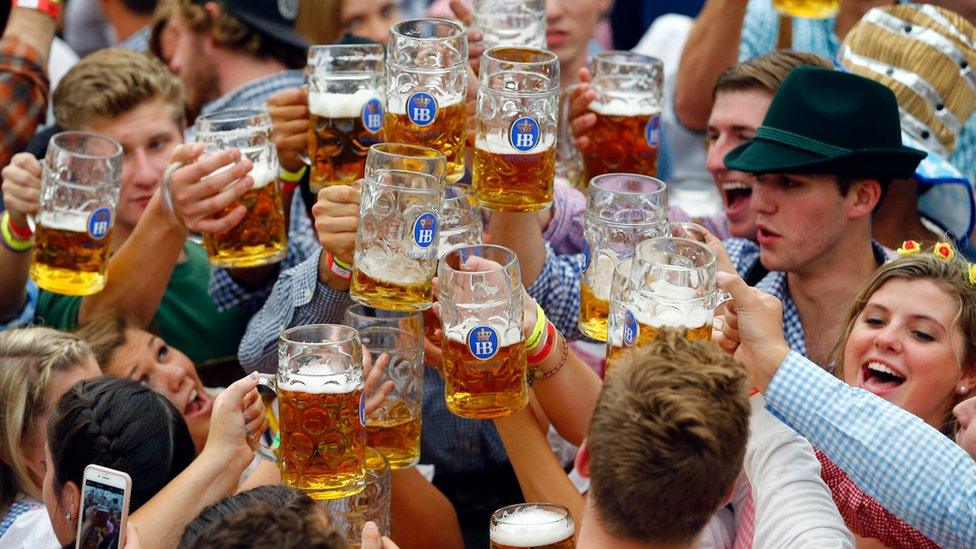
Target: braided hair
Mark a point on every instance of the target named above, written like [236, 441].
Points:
[118, 423]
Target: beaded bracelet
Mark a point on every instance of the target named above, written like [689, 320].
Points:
[535, 374]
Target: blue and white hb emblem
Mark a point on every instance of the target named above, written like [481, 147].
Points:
[524, 134]
[424, 229]
[652, 131]
[630, 329]
[99, 222]
[373, 115]
[421, 108]
[483, 342]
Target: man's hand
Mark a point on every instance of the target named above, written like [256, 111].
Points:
[289, 126]
[200, 196]
[336, 217]
[22, 187]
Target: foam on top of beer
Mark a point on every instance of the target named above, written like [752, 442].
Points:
[261, 172]
[74, 221]
[319, 379]
[680, 312]
[531, 527]
[382, 264]
[499, 144]
[602, 277]
[340, 105]
[624, 106]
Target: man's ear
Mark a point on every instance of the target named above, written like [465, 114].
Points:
[582, 461]
[864, 195]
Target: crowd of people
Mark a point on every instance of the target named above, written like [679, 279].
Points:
[827, 164]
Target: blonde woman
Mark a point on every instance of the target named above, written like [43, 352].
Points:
[37, 366]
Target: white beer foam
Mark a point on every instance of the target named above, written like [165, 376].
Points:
[603, 274]
[506, 337]
[319, 379]
[680, 311]
[74, 221]
[398, 105]
[381, 264]
[624, 106]
[261, 172]
[341, 105]
[531, 527]
[499, 144]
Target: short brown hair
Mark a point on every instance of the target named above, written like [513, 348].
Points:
[105, 336]
[667, 439]
[264, 524]
[766, 72]
[112, 82]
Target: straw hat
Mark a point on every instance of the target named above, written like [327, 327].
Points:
[927, 56]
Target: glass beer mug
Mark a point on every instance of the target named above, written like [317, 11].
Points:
[627, 134]
[426, 81]
[808, 9]
[673, 286]
[515, 149]
[321, 419]
[345, 105]
[621, 210]
[535, 525]
[481, 313]
[620, 306]
[261, 237]
[510, 22]
[406, 158]
[461, 223]
[80, 183]
[348, 514]
[394, 428]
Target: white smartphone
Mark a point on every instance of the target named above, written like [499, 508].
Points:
[104, 508]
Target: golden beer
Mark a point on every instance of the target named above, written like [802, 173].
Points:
[394, 429]
[260, 238]
[646, 333]
[594, 312]
[507, 180]
[323, 440]
[67, 259]
[341, 129]
[532, 526]
[622, 141]
[379, 287]
[484, 389]
[808, 9]
[444, 133]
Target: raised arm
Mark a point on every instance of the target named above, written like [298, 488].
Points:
[21, 196]
[422, 517]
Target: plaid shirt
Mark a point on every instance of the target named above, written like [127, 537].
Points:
[745, 256]
[224, 290]
[913, 470]
[963, 157]
[23, 96]
[138, 41]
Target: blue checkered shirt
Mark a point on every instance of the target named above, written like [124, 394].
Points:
[224, 290]
[963, 157]
[17, 509]
[138, 41]
[25, 316]
[556, 289]
[910, 468]
[745, 255]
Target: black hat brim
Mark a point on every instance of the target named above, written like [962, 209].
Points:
[282, 33]
[766, 156]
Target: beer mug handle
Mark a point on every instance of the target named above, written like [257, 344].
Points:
[720, 298]
[267, 388]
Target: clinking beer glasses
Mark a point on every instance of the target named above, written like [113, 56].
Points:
[481, 312]
[511, 22]
[621, 210]
[396, 240]
[515, 149]
[345, 105]
[426, 79]
[261, 237]
[406, 158]
[79, 193]
[532, 525]
[321, 418]
[627, 133]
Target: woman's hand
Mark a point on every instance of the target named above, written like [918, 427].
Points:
[371, 538]
[236, 422]
[376, 389]
[22, 187]
[289, 126]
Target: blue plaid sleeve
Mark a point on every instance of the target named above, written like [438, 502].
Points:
[913, 470]
[557, 290]
[760, 29]
[743, 253]
[963, 157]
[25, 316]
[298, 298]
[226, 293]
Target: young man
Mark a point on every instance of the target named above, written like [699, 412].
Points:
[154, 274]
[827, 149]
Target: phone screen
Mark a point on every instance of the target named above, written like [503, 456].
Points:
[101, 515]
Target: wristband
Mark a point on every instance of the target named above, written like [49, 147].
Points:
[337, 267]
[538, 355]
[167, 196]
[537, 331]
[291, 177]
[11, 242]
[20, 233]
[535, 374]
[51, 8]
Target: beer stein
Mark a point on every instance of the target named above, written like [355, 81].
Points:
[520, 23]
[345, 106]
[81, 175]
[321, 421]
[483, 349]
[673, 281]
[396, 240]
[347, 515]
[261, 237]
[627, 134]
[407, 158]
[620, 306]
[426, 81]
[461, 223]
[808, 9]
[538, 525]
[394, 428]
[515, 148]
[621, 210]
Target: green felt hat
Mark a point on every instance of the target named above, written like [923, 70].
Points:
[829, 122]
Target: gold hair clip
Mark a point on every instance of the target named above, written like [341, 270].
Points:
[944, 251]
[908, 247]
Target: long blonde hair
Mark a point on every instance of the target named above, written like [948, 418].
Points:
[29, 359]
